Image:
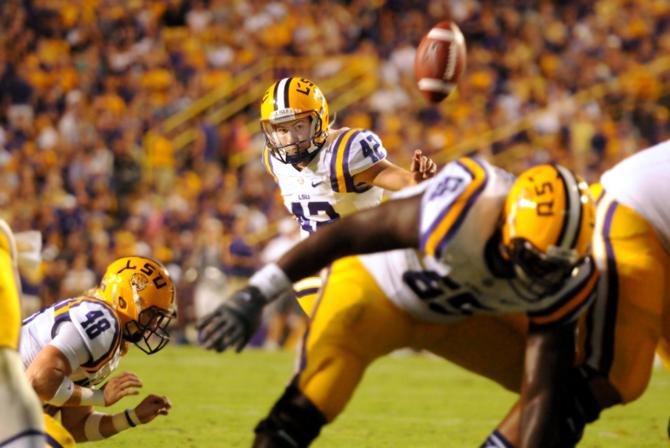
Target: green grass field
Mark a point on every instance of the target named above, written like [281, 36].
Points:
[404, 401]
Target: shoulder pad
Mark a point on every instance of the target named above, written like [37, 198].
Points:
[447, 199]
[353, 151]
[99, 327]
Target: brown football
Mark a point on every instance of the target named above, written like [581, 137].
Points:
[440, 61]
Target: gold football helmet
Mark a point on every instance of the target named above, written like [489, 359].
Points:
[549, 220]
[286, 101]
[142, 293]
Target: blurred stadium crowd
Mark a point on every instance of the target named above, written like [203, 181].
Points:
[85, 83]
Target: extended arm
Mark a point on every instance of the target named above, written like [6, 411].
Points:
[391, 177]
[549, 358]
[392, 225]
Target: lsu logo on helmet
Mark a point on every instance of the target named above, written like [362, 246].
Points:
[291, 99]
[143, 294]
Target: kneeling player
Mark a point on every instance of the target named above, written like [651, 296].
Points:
[78, 343]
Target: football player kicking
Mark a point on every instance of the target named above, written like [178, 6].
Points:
[77, 343]
[630, 317]
[480, 244]
[20, 414]
[325, 173]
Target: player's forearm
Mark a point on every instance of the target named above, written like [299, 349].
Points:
[536, 420]
[386, 175]
[97, 426]
[394, 179]
[392, 225]
[548, 359]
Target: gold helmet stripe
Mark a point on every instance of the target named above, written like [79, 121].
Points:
[567, 238]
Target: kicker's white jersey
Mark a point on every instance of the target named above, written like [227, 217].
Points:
[449, 278]
[97, 324]
[324, 190]
[641, 182]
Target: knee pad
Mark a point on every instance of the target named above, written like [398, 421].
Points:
[294, 422]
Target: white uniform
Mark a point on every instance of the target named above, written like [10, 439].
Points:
[324, 190]
[460, 209]
[86, 330]
[639, 182]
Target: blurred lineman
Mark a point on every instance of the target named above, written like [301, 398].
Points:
[630, 317]
[482, 245]
[77, 343]
[325, 173]
[21, 422]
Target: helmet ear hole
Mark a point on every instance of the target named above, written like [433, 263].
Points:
[132, 332]
[122, 304]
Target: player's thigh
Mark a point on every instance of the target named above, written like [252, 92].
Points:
[491, 346]
[353, 324]
[623, 325]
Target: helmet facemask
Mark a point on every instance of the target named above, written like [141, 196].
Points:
[149, 332]
[536, 274]
[305, 149]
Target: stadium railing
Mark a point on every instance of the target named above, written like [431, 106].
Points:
[343, 79]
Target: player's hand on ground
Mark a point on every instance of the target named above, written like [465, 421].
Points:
[121, 386]
[422, 167]
[234, 322]
[151, 407]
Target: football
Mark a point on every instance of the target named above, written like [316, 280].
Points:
[440, 61]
